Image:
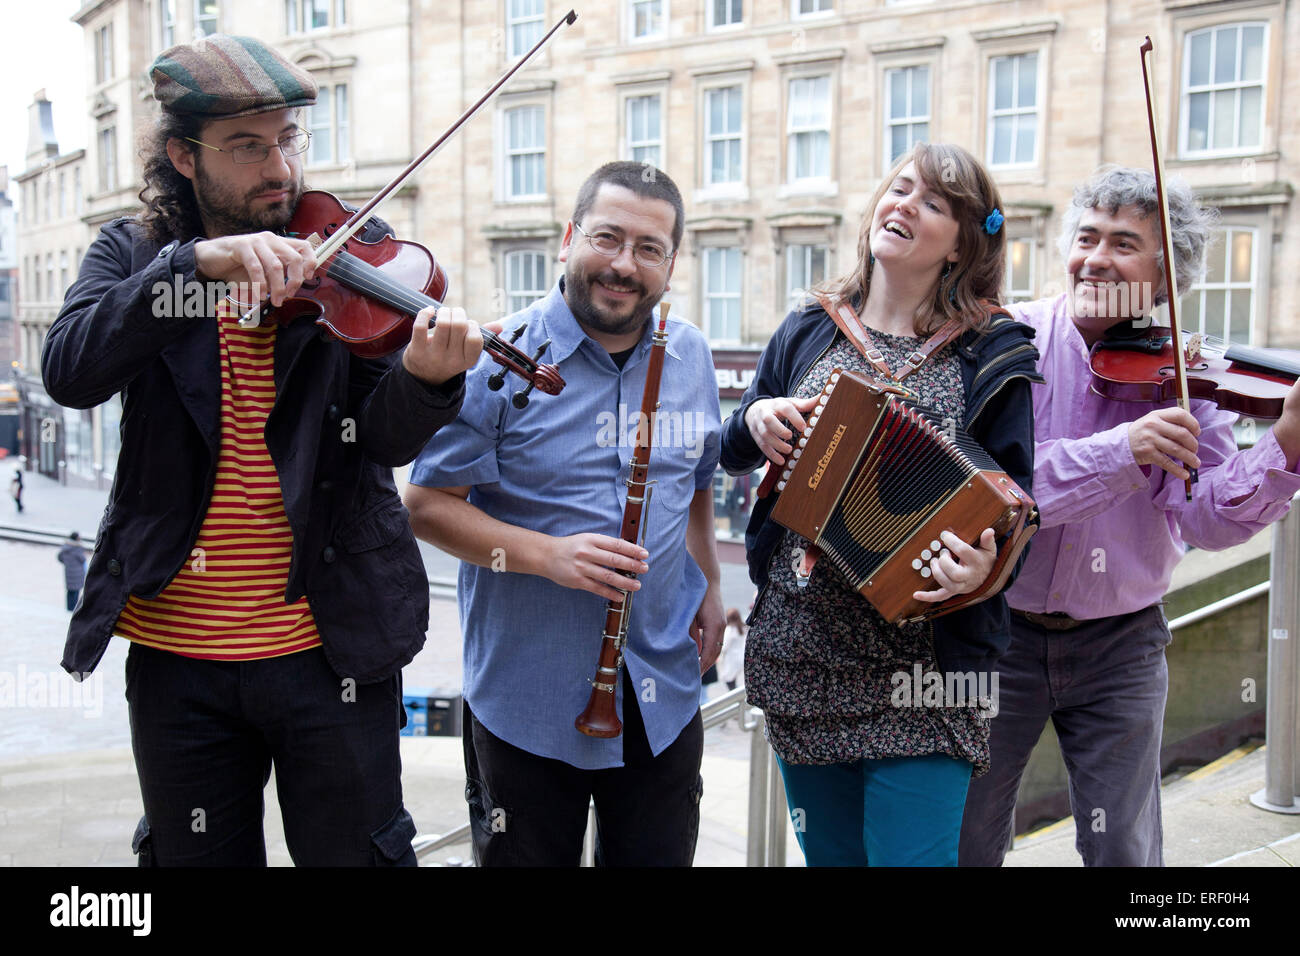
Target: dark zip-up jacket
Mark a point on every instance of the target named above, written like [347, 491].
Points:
[997, 367]
[338, 427]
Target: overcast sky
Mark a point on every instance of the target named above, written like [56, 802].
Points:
[41, 48]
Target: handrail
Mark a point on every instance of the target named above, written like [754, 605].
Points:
[766, 831]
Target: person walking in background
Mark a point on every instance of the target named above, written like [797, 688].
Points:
[73, 558]
[16, 489]
[731, 664]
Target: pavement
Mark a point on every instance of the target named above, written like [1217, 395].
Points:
[69, 796]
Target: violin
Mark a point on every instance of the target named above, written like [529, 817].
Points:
[1137, 365]
[367, 294]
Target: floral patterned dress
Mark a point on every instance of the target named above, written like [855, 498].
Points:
[821, 662]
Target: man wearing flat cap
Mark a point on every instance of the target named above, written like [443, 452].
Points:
[254, 551]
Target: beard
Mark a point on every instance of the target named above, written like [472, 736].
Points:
[226, 213]
[577, 293]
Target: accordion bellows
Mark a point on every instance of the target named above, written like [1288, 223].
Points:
[873, 481]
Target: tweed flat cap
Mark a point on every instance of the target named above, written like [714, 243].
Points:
[224, 76]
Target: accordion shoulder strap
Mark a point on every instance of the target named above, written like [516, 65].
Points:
[847, 320]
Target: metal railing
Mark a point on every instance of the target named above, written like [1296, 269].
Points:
[767, 818]
[1281, 735]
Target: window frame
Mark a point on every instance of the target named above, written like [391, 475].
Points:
[339, 131]
[629, 12]
[1221, 245]
[504, 151]
[214, 18]
[539, 19]
[807, 183]
[627, 146]
[1184, 94]
[540, 252]
[797, 14]
[706, 322]
[890, 122]
[712, 27]
[1039, 111]
[728, 187]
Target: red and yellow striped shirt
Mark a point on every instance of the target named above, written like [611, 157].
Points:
[227, 601]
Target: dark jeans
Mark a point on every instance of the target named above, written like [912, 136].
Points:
[527, 810]
[73, 594]
[207, 733]
[1103, 685]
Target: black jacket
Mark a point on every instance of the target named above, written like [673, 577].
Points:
[338, 427]
[996, 368]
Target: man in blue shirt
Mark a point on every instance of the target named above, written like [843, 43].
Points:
[531, 500]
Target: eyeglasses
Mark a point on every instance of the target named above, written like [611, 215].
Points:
[649, 254]
[248, 153]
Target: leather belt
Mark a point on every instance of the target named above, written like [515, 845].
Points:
[1051, 622]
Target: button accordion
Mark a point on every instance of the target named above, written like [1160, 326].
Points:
[873, 481]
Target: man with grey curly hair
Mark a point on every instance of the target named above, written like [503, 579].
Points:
[1087, 631]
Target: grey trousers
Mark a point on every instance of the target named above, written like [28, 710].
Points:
[1104, 686]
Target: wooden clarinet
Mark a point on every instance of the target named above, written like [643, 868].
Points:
[600, 719]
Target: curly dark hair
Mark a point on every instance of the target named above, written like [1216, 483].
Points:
[171, 211]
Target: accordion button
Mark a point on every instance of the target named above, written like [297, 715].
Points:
[812, 422]
[822, 400]
[926, 555]
[916, 564]
[925, 572]
[780, 486]
[803, 442]
[935, 546]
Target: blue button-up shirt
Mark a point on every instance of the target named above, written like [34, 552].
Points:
[559, 466]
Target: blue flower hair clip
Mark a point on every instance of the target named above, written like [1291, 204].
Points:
[993, 222]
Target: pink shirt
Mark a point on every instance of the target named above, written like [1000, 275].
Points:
[1111, 534]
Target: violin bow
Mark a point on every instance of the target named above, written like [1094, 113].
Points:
[331, 245]
[1147, 50]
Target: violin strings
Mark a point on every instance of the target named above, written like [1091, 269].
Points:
[363, 277]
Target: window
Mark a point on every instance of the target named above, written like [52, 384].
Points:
[1018, 282]
[63, 270]
[646, 18]
[808, 128]
[804, 8]
[76, 191]
[524, 25]
[525, 152]
[907, 110]
[1223, 89]
[644, 132]
[303, 15]
[1013, 110]
[49, 276]
[1224, 304]
[722, 293]
[526, 279]
[108, 159]
[104, 54]
[49, 198]
[330, 130]
[205, 17]
[722, 135]
[63, 194]
[725, 13]
[524, 171]
[805, 266]
[166, 23]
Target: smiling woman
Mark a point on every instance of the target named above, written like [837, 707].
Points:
[881, 782]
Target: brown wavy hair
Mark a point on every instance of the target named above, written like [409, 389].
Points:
[170, 209]
[976, 277]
